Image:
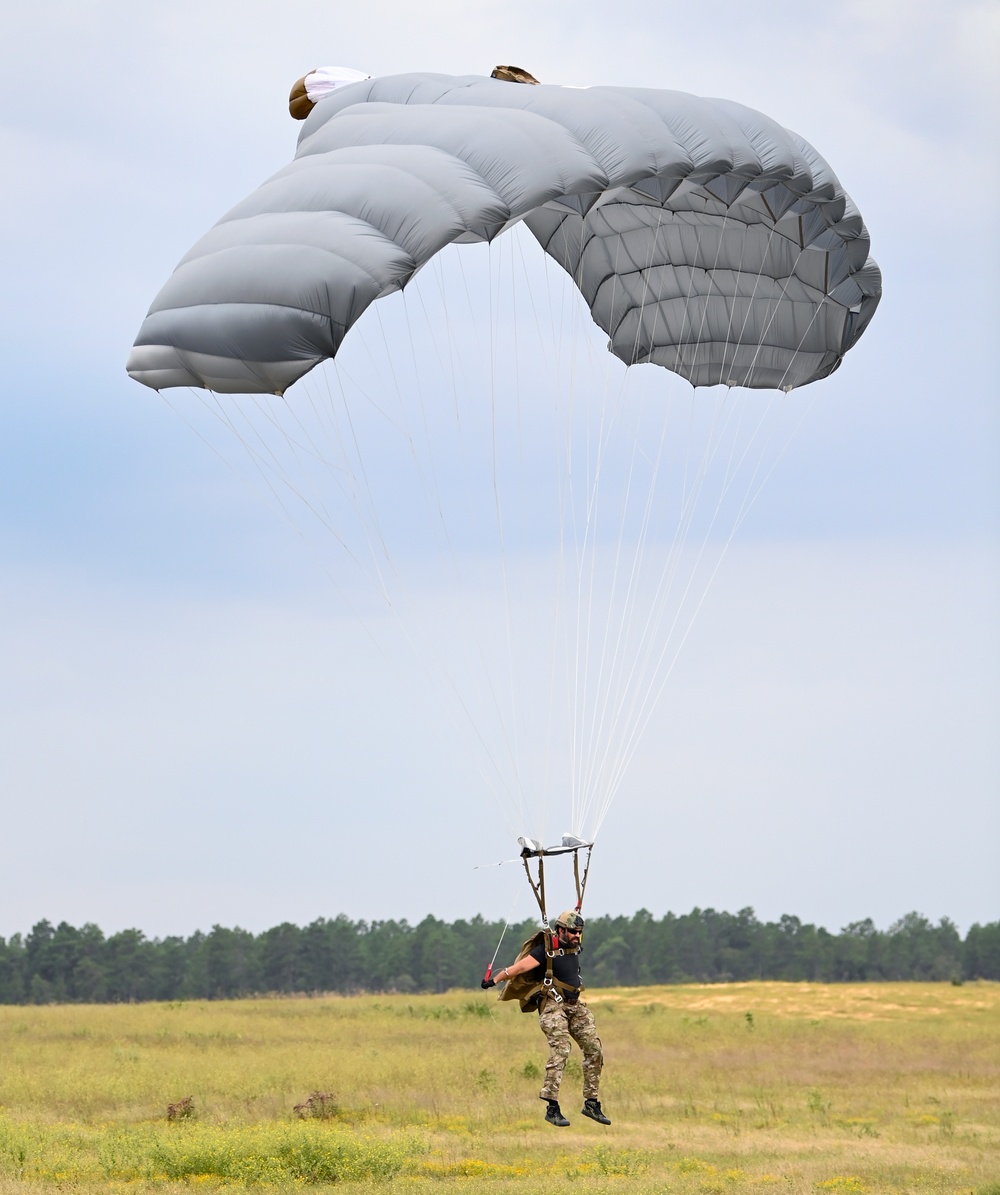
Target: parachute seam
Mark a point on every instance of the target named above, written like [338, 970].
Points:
[316, 159]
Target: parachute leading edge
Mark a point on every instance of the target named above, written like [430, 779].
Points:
[703, 236]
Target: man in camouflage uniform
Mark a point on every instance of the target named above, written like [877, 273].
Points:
[562, 1016]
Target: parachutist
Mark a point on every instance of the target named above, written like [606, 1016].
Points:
[555, 992]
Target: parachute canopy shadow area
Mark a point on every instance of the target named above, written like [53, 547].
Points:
[703, 236]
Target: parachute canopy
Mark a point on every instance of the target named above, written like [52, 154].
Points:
[703, 236]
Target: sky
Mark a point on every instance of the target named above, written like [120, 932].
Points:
[195, 725]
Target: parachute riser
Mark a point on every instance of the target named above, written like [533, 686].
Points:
[581, 885]
[533, 850]
[530, 849]
[552, 949]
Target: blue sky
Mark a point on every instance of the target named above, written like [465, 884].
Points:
[195, 726]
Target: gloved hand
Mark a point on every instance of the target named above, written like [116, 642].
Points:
[488, 983]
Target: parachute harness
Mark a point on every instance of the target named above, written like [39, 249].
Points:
[550, 986]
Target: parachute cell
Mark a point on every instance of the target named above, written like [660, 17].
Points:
[704, 237]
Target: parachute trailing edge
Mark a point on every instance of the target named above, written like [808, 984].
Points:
[704, 237]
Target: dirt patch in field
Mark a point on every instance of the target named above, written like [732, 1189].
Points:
[810, 1001]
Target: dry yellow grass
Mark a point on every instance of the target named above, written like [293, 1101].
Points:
[726, 1088]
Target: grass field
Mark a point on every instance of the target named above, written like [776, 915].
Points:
[726, 1088]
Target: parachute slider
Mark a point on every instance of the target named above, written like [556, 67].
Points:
[532, 849]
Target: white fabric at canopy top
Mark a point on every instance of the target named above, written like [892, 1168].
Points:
[701, 237]
[325, 80]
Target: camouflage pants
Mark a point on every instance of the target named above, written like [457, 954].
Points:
[559, 1023]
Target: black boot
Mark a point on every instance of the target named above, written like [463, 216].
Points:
[592, 1108]
[554, 1115]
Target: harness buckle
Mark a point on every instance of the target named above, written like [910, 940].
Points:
[551, 992]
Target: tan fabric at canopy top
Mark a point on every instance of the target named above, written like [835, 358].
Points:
[704, 237]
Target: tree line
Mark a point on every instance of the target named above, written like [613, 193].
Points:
[67, 964]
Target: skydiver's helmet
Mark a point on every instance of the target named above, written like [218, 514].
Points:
[571, 920]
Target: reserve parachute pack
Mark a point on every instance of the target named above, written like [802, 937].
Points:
[522, 988]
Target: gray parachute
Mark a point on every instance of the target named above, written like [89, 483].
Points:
[703, 236]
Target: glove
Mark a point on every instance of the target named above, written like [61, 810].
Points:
[488, 983]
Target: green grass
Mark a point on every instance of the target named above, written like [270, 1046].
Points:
[725, 1088]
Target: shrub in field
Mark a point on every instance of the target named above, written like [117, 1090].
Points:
[486, 1080]
[123, 1154]
[182, 1110]
[321, 1105]
[273, 1154]
[623, 1163]
[322, 1158]
[691, 1165]
[15, 1149]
